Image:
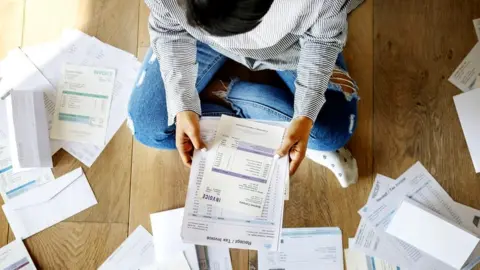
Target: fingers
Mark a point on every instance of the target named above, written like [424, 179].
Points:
[194, 134]
[297, 154]
[184, 147]
[287, 143]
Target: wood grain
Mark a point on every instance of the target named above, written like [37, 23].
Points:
[72, 245]
[159, 183]
[418, 44]
[11, 25]
[143, 35]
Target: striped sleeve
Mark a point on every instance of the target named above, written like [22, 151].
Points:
[320, 47]
[176, 53]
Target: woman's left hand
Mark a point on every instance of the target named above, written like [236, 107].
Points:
[295, 141]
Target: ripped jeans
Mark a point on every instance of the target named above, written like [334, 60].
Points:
[333, 128]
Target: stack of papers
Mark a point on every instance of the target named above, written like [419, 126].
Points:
[94, 78]
[466, 77]
[422, 205]
[171, 252]
[306, 249]
[240, 164]
[205, 223]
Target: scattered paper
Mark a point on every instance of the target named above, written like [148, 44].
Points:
[28, 130]
[476, 25]
[306, 249]
[177, 262]
[468, 110]
[240, 164]
[83, 104]
[427, 231]
[465, 76]
[166, 229]
[135, 253]
[15, 256]
[75, 47]
[356, 260]
[207, 224]
[219, 258]
[46, 205]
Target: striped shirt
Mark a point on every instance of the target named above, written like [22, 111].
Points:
[301, 35]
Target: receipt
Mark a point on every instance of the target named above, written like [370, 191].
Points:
[465, 76]
[240, 164]
[83, 104]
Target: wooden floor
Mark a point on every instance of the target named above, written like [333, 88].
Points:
[400, 52]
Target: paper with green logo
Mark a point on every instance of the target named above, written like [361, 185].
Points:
[83, 104]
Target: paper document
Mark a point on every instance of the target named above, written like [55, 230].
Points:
[240, 164]
[471, 218]
[28, 130]
[210, 225]
[219, 258]
[77, 48]
[14, 184]
[476, 25]
[356, 260]
[306, 249]
[432, 234]
[83, 104]
[46, 205]
[465, 75]
[417, 184]
[468, 110]
[15, 256]
[176, 262]
[135, 253]
[166, 229]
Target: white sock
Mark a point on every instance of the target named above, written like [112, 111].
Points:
[340, 162]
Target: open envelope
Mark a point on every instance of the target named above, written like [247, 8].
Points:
[45, 206]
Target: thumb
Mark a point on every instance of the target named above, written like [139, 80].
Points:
[196, 139]
[287, 143]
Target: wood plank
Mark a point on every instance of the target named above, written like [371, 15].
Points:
[72, 245]
[417, 47]
[11, 25]
[159, 183]
[143, 35]
[114, 22]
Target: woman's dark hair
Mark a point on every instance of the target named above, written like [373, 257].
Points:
[226, 17]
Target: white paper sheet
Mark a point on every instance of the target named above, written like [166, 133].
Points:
[420, 186]
[356, 260]
[468, 110]
[240, 165]
[427, 231]
[471, 218]
[136, 252]
[176, 262]
[476, 25]
[166, 229]
[78, 48]
[219, 258]
[46, 205]
[306, 249]
[15, 256]
[29, 142]
[82, 106]
[22, 74]
[465, 75]
[206, 224]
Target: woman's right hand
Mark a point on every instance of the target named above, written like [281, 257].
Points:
[188, 135]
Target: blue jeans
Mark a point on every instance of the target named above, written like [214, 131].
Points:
[148, 110]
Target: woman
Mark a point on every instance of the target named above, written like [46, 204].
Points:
[193, 39]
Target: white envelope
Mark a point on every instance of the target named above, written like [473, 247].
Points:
[47, 205]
